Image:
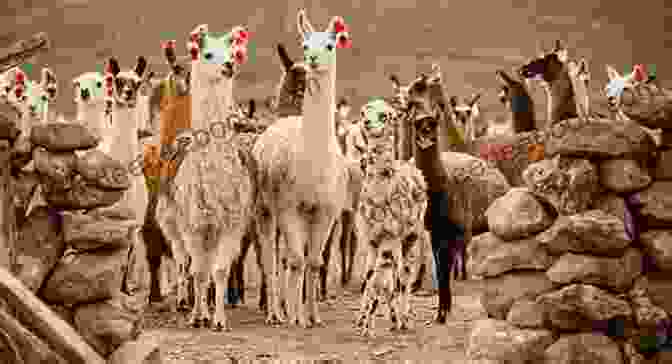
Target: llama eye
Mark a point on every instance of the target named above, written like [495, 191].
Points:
[330, 47]
[305, 47]
[99, 84]
[208, 56]
[44, 98]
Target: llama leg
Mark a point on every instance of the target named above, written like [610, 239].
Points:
[321, 229]
[202, 261]
[267, 229]
[348, 246]
[368, 311]
[228, 249]
[294, 230]
[182, 272]
[370, 265]
[326, 258]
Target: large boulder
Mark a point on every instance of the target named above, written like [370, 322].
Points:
[83, 232]
[501, 342]
[24, 184]
[143, 350]
[599, 138]
[658, 244]
[63, 137]
[103, 171]
[85, 277]
[663, 169]
[592, 232]
[650, 105]
[623, 175]
[59, 167]
[517, 215]
[38, 248]
[612, 273]
[82, 196]
[489, 183]
[108, 324]
[500, 292]
[584, 348]
[526, 313]
[490, 256]
[657, 205]
[567, 184]
[610, 203]
[583, 307]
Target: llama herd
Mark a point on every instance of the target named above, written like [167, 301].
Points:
[290, 190]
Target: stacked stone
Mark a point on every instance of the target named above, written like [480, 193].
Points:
[73, 249]
[563, 270]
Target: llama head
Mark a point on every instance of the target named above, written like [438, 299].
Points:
[579, 70]
[125, 84]
[548, 67]
[49, 84]
[618, 84]
[465, 112]
[513, 93]
[319, 48]
[179, 76]
[292, 86]
[343, 108]
[89, 88]
[377, 124]
[425, 110]
[219, 56]
[7, 82]
[35, 99]
[400, 97]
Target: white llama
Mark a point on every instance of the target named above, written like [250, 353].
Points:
[89, 95]
[209, 205]
[302, 179]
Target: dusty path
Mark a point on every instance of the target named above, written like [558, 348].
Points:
[250, 339]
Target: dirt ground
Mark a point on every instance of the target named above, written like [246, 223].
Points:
[251, 339]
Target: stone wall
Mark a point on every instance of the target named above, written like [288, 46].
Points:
[73, 244]
[568, 276]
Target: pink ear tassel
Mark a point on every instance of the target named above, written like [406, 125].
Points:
[339, 25]
[639, 73]
[343, 40]
[20, 77]
[240, 55]
[193, 50]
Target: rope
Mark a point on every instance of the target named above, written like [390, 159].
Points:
[13, 347]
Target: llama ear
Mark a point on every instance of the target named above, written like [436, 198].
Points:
[303, 25]
[252, 108]
[287, 62]
[504, 78]
[395, 82]
[474, 99]
[453, 101]
[436, 74]
[114, 66]
[561, 51]
[583, 66]
[612, 73]
[140, 66]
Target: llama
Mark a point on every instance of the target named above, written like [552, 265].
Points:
[302, 178]
[393, 201]
[467, 115]
[614, 94]
[32, 98]
[551, 71]
[449, 199]
[209, 204]
[89, 96]
[519, 104]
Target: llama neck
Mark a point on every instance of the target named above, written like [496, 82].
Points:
[404, 137]
[142, 112]
[521, 113]
[318, 127]
[211, 99]
[124, 138]
[429, 162]
[560, 97]
[453, 139]
[581, 97]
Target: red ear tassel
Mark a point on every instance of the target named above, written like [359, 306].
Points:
[241, 37]
[20, 77]
[343, 41]
[240, 55]
[193, 50]
[18, 91]
[339, 25]
[168, 44]
[639, 73]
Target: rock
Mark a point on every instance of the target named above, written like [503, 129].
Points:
[526, 313]
[488, 181]
[658, 287]
[23, 186]
[517, 215]
[657, 204]
[114, 212]
[520, 144]
[22, 152]
[64, 313]
[647, 314]
[615, 273]
[84, 232]
[490, 256]
[569, 185]
[58, 167]
[593, 232]
[500, 292]
[8, 123]
[143, 350]
[650, 107]
[38, 248]
[632, 356]
[103, 171]
[86, 277]
[504, 343]
[63, 137]
[599, 138]
[584, 348]
[106, 325]
[28, 346]
[663, 169]
[623, 175]
[658, 244]
[81, 196]
[584, 307]
[610, 203]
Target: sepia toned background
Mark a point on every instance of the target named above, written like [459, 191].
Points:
[471, 39]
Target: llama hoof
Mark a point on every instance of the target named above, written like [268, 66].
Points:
[182, 305]
[196, 323]
[274, 319]
[316, 322]
[441, 317]
[219, 326]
